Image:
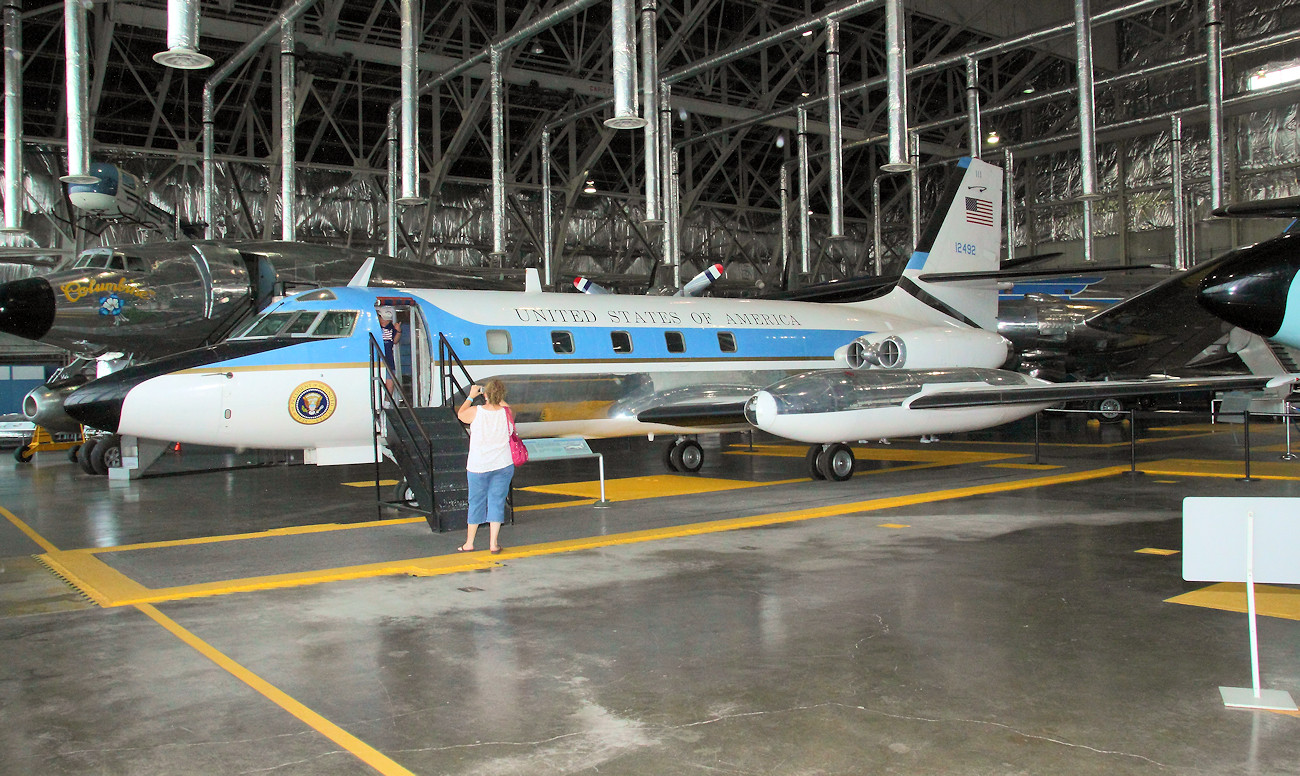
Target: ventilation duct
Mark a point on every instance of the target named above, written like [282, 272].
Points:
[183, 37]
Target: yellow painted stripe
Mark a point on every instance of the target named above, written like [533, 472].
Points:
[893, 525]
[1264, 470]
[370, 483]
[27, 529]
[211, 369]
[99, 581]
[288, 531]
[1270, 600]
[457, 562]
[360, 749]
[1156, 551]
[1028, 466]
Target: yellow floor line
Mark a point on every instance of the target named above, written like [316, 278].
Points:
[1264, 470]
[289, 531]
[27, 529]
[1270, 600]
[1042, 467]
[370, 483]
[358, 748]
[110, 588]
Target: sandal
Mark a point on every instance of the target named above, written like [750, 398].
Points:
[463, 548]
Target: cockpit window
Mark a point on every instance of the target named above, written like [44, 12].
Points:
[305, 323]
[109, 259]
[335, 323]
[268, 325]
[301, 324]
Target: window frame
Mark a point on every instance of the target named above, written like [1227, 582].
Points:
[669, 336]
[627, 336]
[558, 335]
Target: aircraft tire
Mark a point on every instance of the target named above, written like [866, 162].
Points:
[687, 456]
[836, 462]
[810, 460]
[106, 455]
[72, 453]
[669, 462]
[83, 456]
[1111, 410]
[23, 454]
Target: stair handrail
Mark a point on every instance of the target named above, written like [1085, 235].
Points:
[447, 379]
[402, 410]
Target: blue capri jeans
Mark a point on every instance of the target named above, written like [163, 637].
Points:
[487, 495]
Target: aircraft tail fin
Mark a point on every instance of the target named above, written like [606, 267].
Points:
[964, 235]
[362, 278]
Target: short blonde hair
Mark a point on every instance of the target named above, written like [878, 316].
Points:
[494, 391]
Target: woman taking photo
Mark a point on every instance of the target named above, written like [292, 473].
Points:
[489, 466]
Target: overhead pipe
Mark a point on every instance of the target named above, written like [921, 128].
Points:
[1087, 112]
[77, 94]
[14, 193]
[785, 222]
[1214, 98]
[896, 74]
[410, 105]
[914, 155]
[650, 108]
[498, 158]
[805, 239]
[288, 123]
[392, 183]
[183, 37]
[675, 215]
[973, 106]
[671, 222]
[626, 113]
[547, 215]
[836, 140]
[288, 16]
[1009, 189]
[1181, 260]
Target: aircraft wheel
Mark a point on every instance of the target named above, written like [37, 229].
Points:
[83, 456]
[669, 463]
[810, 460]
[23, 454]
[72, 453]
[1111, 410]
[107, 454]
[402, 492]
[836, 462]
[687, 456]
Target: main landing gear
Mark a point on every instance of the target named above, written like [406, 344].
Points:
[684, 455]
[830, 462]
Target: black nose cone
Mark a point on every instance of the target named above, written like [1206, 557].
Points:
[1249, 288]
[27, 308]
[98, 404]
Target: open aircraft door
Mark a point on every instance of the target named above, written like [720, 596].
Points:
[413, 356]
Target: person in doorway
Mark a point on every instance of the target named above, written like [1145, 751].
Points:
[490, 466]
[392, 332]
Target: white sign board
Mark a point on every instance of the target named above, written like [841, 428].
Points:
[1214, 539]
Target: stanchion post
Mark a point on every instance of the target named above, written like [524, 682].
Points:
[1132, 441]
[1246, 432]
[1037, 416]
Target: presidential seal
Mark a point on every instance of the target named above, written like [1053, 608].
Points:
[312, 403]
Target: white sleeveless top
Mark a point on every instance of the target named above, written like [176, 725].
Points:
[489, 441]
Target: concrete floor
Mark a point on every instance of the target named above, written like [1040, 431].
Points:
[940, 613]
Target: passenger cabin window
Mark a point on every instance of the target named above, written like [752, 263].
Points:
[726, 342]
[562, 342]
[676, 343]
[621, 340]
[498, 342]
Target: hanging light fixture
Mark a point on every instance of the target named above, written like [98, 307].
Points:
[993, 138]
[590, 188]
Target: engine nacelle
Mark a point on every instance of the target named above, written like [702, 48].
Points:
[44, 404]
[934, 347]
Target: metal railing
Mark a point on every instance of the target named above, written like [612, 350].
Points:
[382, 398]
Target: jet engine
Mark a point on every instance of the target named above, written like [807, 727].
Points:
[933, 347]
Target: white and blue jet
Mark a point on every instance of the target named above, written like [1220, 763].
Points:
[923, 359]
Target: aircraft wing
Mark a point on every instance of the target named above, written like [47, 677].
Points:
[1103, 389]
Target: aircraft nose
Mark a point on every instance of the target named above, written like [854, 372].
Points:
[98, 404]
[27, 308]
[1251, 292]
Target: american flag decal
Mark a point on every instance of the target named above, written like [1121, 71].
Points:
[979, 211]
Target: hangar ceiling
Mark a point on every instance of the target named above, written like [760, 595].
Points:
[1148, 62]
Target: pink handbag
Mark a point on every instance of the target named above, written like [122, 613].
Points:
[518, 452]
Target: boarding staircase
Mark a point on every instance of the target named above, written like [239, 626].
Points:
[429, 444]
